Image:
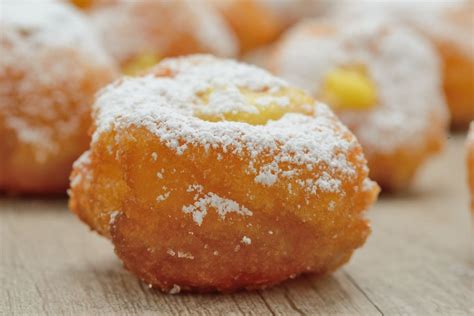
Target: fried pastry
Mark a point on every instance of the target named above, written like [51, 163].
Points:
[51, 65]
[383, 81]
[211, 175]
[140, 33]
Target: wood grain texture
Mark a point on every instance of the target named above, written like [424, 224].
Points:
[417, 262]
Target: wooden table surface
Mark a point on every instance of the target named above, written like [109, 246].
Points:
[418, 261]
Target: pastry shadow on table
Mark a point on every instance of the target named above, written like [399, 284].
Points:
[34, 202]
[413, 194]
[109, 271]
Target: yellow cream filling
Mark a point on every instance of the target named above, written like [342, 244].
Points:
[140, 64]
[262, 106]
[349, 88]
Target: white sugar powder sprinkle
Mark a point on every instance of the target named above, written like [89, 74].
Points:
[49, 24]
[185, 255]
[45, 45]
[222, 206]
[331, 205]
[166, 107]
[402, 63]
[438, 19]
[113, 216]
[175, 289]
[246, 240]
[163, 197]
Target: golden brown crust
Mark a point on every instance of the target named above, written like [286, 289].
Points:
[158, 242]
[194, 217]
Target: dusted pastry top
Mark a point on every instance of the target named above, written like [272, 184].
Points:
[50, 24]
[402, 65]
[204, 101]
[451, 21]
[54, 60]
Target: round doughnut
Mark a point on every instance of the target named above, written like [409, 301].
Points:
[259, 22]
[452, 31]
[208, 174]
[449, 25]
[382, 80]
[50, 68]
[140, 33]
[470, 162]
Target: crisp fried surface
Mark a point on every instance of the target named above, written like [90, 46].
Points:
[285, 241]
[197, 219]
[44, 128]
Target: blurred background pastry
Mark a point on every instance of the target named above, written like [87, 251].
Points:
[260, 22]
[449, 25]
[51, 65]
[382, 79]
[140, 33]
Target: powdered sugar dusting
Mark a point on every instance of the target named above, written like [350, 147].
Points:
[48, 24]
[203, 202]
[291, 145]
[447, 20]
[163, 197]
[246, 240]
[43, 48]
[82, 162]
[267, 177]
[185, 255]
[403, 65]
[113, 215]
[175, 289]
